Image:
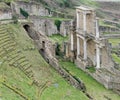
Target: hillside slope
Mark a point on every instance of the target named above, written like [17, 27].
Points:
[110, 9]
[24, 75]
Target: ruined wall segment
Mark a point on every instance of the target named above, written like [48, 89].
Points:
[93, 49]
[5, 11]
[47, 26]
[32, 8]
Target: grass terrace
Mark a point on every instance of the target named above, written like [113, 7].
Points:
[58, 38]
[96, 90]
[56, 18]
[116, 58]
[114, 41]
[24, 74]
[106, 25]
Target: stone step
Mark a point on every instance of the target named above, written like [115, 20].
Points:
[2, 29]
[4, 26]
[8, 44]
[5, 43]
[5, 34]
[24, 64]
[29, 73]
[12, 44]
[15, 60]
[5, 40]
[14, 52]
[22, 61]
[2, 54]
[27, 68]
[9, 49]
[13, 57]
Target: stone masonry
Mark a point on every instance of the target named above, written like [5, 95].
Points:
[92, 49]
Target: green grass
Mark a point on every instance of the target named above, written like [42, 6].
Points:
[91, 69]
[58, 38]
[42, 72]
[3, 6]
[106, 25]
[114, 41]
[60, 90]
[14, 0]
[88, 3]
[16, 78]
[96, 90]
[116, 58]
[55, 18]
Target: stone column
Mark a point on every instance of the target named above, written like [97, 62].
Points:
[97, 29]
[97, 57]
[67, 50]
[78, 20]
[84, 21]
[85, 49]
[72, 41]
[78, 46]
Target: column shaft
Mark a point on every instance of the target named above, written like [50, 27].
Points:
[97, 29]
[97, 57]
[72, 42]
[78, 21]
[78, 46]
[85, 49]
[84, 21]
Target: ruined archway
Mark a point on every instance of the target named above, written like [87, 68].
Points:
[31, 32]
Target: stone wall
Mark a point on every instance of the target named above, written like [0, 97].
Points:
[5, 11]
[35, 8]
[5, 15]
[44, 25]
[48, 27]
[106, 58]
[32, 8]
[108, 29]
[111, 36]
[91, 51]
[90, 23]
[50, 58]
[65, 28]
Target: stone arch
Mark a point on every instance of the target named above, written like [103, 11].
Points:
[31, 32]
[26, 27]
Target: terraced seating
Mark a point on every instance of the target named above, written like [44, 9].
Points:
[2, 30]
[3, 33]
[15, 58]
[2, 53]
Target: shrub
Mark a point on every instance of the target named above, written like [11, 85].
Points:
[67, 3]
[24, 13]
[15, 18]
[58, 23]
